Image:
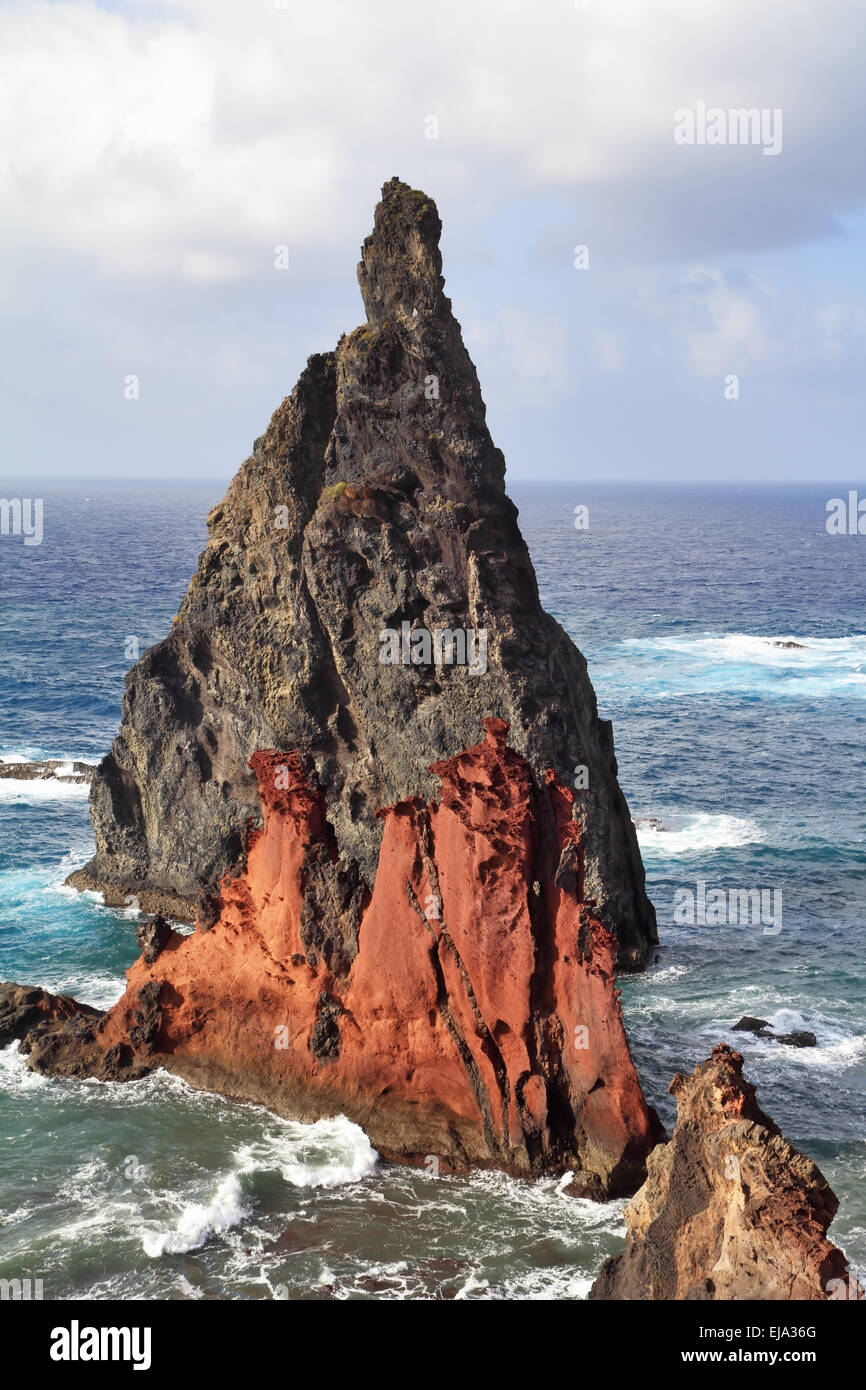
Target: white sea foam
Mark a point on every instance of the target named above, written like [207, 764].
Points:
[671, 835]
[548, 1285]
[16, 1216]
[734, 661]
[838, 1048]
[15, 1075]
[96, 988]
[80, 1185]
[473, 1284]
[200, 1220]
[18, 789]
[667, 973]
[329, 1153]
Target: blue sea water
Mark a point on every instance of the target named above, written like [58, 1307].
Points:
[743, 763]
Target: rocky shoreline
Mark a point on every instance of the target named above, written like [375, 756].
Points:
[56, 769]
[464, 1011]
[730, 1210]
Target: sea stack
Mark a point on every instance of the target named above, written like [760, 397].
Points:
[395, 920]
[373, 506]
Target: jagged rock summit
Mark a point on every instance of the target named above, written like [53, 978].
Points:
[374, 499]
[730, 1209]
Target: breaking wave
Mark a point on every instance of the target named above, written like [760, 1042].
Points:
[201, 1220]
[42, 789]
[781, 666]
[665, 836]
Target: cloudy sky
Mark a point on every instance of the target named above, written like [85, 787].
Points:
[155, 154]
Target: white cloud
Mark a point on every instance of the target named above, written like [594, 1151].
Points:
[725, 326]
[734, 323]
[525, 351]
[181, 141]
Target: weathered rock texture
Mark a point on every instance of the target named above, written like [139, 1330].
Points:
[376, 496]
[59, 1036]
[729, 1209]
[464, 1009]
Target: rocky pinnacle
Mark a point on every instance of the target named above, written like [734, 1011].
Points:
[375, 498]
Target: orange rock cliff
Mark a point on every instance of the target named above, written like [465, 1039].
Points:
[478, 1021]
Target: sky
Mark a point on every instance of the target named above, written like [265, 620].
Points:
[156, 155]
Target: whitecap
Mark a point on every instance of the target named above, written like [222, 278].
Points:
[19, 789]
[472, 1285]
[707, 663]
[666, 973]
[15, 1075]
[199, 1221]
[100, 991]
[676, 834]
[548, 1285]
[329, 1153]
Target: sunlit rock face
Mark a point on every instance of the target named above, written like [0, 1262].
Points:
[462, 1010]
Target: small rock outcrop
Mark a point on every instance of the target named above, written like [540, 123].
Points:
[374, 503]
[60, 1037]
[70, 773]
[802, 1037]
[729, 1210]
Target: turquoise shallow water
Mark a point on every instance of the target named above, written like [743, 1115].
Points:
[743, 764]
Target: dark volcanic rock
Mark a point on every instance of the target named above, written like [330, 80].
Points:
[802, 1038]
[748, 1024]
[148, 1017]
[53, 768]
[60, 1037]
[375, 497]
[729, 1210]
[762, 1029]
[24, 1008]
[153, 935]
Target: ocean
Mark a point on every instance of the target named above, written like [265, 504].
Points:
[742, 758]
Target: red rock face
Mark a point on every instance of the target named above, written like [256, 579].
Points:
[466, 1010]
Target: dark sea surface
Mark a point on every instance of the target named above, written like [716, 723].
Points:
[743, 763]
